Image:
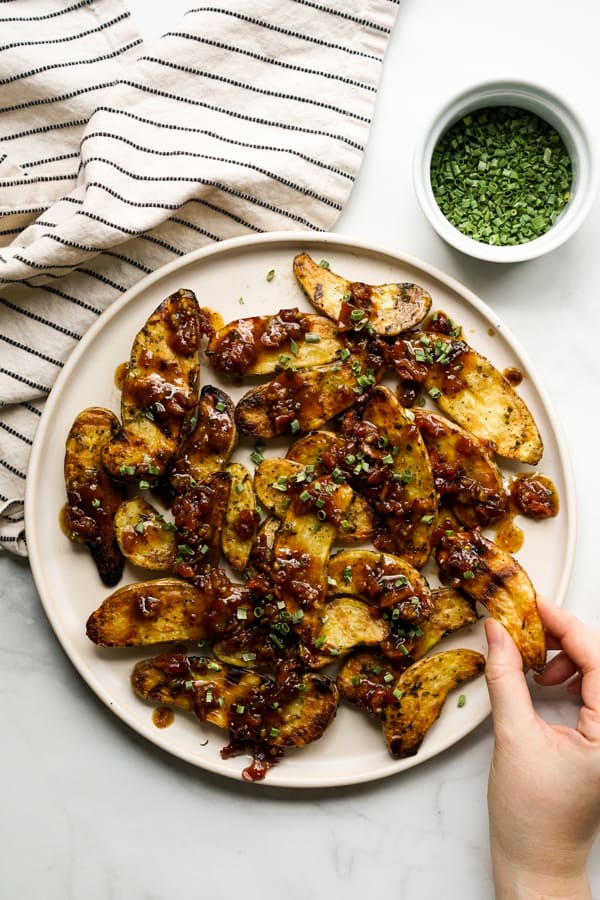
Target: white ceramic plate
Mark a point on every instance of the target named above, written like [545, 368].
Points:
[232, 277]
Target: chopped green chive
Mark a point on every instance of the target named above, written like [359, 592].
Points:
[501, 175]
[270, 274]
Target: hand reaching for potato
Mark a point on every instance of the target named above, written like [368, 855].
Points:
[544, 787]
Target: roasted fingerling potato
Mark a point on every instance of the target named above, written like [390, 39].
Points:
[263, 345]
[292, 522]
[305, 399]
[92, 497]
[472, 392]
[209, 446]
[159, 391]
[150, 612]
[386, 309]
[145, 537]
[419, 695]
[494, 578]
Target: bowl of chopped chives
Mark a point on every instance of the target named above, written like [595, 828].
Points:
[505, 172]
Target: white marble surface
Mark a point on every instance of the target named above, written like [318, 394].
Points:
[90, 810]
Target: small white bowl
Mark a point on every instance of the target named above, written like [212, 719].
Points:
[547, 106]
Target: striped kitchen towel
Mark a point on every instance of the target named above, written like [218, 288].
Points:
[116, 158]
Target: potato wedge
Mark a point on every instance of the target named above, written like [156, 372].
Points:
[399, 481]
[301, 553]
[149, 612]
[304, 400]
[465, 473]
[263, 345]
[256, 710]
[260, 559]
[241, 518]
[144, 536]
[366, 679]
[276, 480]
[381, 579]
[451, 612]
[197, 684]
[92, 497]
[208, 448]
[159, 391]
[346, 623]
[472, 392]
[389, 309]
[419, 695]
[494, 578]
[199, 515]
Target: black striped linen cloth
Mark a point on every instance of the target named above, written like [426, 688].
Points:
[116, 158]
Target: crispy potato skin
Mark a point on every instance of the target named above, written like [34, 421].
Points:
[472, 392]
[421, 692]
[495, 579]
[149, 612]
[263, 345]
[389, 308]
[159, 391]
[92, 497]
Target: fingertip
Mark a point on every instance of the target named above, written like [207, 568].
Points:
[494, 633]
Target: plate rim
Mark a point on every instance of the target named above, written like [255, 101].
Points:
[278, 778]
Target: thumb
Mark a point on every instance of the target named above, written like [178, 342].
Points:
[507, 687]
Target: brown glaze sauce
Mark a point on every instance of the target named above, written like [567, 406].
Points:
[162, 717]
[513, 376]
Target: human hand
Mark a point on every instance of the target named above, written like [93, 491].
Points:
[544, 785]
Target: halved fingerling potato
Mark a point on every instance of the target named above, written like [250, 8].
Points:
[304, 400]
[419, 695]
[144, 536]
[276, 480]
[301, 552]
[381, 579]
[494, 578]
[159, 391]
[251, 705]
[346, 623]
[212, 441]
[472, 392]
[450, 612]
[465, 472]
[405, 496]
[92, 497]
[262, 345]
[241, 518]
[366, 679]
[199, 515]
[149, 612]
[389, 309]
